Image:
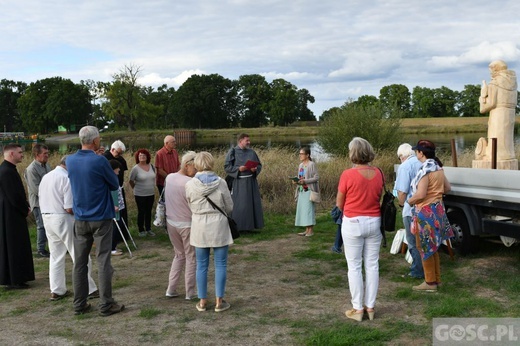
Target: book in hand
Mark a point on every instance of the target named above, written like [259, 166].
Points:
[295, 179]
[251, 164]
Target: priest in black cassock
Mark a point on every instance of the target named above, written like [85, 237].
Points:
[242, 163]
[16, 261]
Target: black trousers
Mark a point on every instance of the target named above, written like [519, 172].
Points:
[144, 212]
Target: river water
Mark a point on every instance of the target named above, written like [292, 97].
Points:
[463, 141]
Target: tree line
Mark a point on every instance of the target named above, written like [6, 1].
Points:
[202, 101]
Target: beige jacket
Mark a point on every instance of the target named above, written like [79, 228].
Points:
[209, 227]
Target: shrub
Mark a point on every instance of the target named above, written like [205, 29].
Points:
[354, 120]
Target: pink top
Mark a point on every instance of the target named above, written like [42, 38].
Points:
[178, 212]
[362, 195]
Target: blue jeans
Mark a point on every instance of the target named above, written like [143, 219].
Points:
[220, 258]
[41, 237]
[338, 243]
[416, 269]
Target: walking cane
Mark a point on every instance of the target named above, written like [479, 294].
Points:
[129, 234]
[122, 236]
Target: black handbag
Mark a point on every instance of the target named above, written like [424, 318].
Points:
[388, 210]
[233, 227]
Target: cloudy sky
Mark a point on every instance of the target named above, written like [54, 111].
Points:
[336, 49]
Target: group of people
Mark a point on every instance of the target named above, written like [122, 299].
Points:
[420, 185]
[76, 207]
[79, 203]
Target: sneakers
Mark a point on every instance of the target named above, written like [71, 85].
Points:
[150, 233]
[93, 295]
[84, 309]
[200, 308]
[117, 252]
[54, 296]
[172, 295]
[191, 297]
[142, 234]
[113, 309]
[44, 253]
[424, 287]
[222, 307]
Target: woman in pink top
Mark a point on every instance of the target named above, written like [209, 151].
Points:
[359, 193]
[178, 223]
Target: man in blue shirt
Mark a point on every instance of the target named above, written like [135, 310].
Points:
[91, 180]
[405, 174]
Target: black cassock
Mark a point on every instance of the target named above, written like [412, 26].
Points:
[16, 261]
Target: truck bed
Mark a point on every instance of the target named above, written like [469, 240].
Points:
[490, 184]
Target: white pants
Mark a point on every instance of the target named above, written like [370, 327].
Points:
[59, 229]
[362, 240]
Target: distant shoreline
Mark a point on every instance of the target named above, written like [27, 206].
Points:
[408, 125]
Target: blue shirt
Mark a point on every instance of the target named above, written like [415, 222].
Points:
[91, 180]
[405, 174]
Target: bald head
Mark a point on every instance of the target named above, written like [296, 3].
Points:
[170, 143]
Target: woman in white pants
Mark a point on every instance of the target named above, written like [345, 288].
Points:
[359, 193]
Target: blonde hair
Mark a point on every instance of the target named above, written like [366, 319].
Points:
[187, 157]
[204, 161]
[360, 151]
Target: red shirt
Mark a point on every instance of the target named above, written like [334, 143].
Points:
[362, 195]
[168, 161]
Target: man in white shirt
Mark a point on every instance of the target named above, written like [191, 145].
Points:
[56, 207]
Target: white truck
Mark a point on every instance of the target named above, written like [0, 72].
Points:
[483, 203]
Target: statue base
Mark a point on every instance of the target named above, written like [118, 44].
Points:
[501, 164]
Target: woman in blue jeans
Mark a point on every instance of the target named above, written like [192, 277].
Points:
[209, 228]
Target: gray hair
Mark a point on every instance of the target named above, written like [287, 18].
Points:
[63, 160]
[118, 145]
[87, 134]
[360, 151]
[187, 157]
[405, 150]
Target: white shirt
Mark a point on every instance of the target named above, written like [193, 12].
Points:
[55, 192]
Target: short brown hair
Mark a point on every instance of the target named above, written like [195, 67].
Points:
[142, 151]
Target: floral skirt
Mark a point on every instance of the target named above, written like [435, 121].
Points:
[433, 227]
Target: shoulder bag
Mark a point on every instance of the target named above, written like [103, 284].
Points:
[233, 227]
[160, 212]
[388, 209]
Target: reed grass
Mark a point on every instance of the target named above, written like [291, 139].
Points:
[278, 164]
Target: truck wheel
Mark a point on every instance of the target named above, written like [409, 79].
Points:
[463, 241]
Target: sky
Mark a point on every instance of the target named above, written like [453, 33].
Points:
[336, 49]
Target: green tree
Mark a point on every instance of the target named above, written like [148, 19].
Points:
[394, 99]
[303, 111]
[328, 113]
[125, 100]
[254, 94]
[353, 120]
[10, 92]
[422, 102]
[162, 97]
[206, 101]
[283, 107]
[467, 103]
[51, 102]
[367, 100]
